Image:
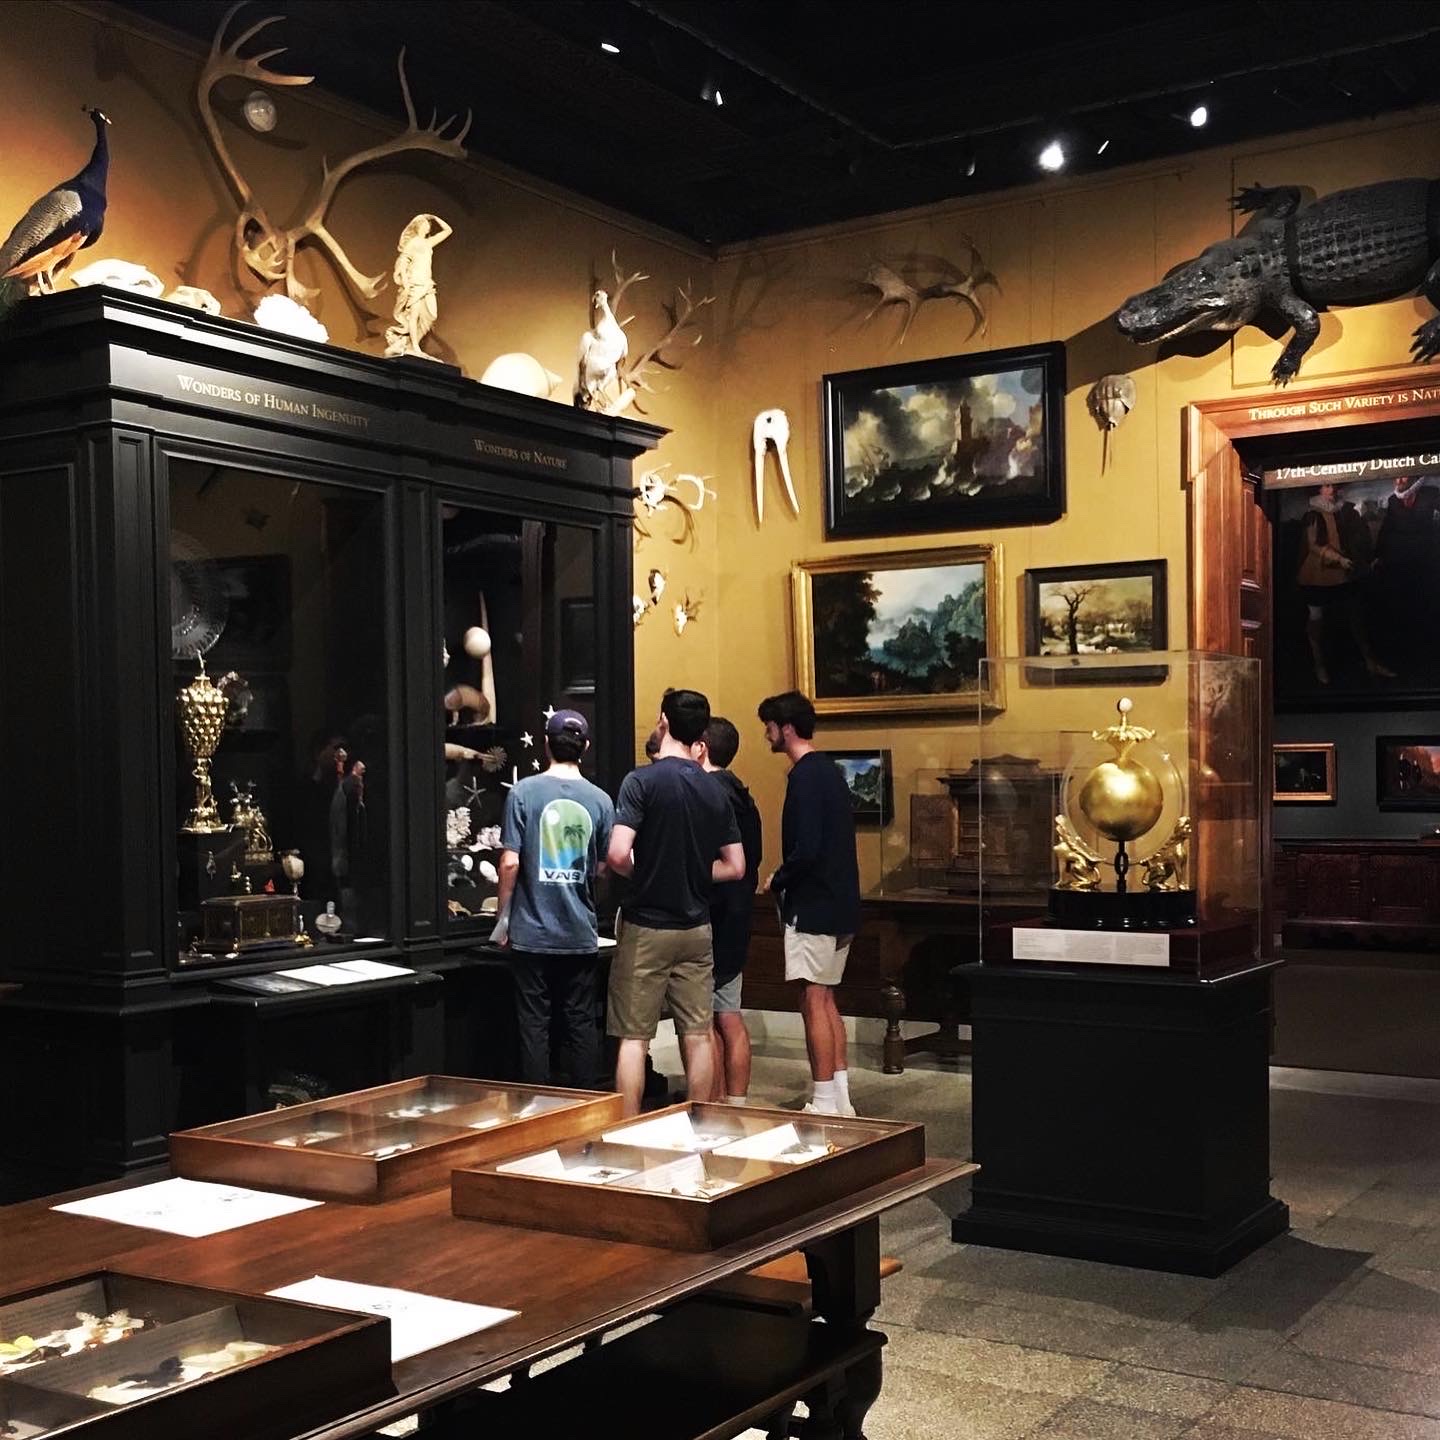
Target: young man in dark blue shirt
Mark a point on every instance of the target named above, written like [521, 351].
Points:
[818, 888]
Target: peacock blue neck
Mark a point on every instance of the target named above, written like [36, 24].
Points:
[97, 170]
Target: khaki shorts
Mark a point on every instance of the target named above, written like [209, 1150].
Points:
[820, 959]
[655, 968]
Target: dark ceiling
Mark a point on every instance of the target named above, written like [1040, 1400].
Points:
[834, 109]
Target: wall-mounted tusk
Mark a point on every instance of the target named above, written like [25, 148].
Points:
[772, 427]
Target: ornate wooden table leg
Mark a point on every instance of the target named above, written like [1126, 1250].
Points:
[845, 1275]
[892, 1001]
[862, 1390]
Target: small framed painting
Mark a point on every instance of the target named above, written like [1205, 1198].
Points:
[1407, 772]
[1304, 773]
[1082, 610]
[867, 776]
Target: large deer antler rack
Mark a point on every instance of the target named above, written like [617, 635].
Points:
[267, 250]
[682, 311]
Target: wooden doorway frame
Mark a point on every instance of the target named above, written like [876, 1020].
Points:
[1228, 531]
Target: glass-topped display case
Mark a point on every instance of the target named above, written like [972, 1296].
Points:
[690, 1177]
[122, 1357]
[1136, 811]
[391, 1140]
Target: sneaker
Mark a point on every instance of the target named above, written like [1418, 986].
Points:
[811, 1108]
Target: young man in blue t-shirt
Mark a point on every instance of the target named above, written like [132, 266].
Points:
[554, 837]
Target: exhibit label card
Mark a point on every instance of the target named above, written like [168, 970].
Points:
[187, 1207]
[417, 1322]
[1089, 947]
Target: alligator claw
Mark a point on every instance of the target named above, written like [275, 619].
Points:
[1426, 345]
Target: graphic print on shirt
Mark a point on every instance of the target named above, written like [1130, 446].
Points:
[565, 830]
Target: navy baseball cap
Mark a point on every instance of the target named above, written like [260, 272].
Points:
[568, 722]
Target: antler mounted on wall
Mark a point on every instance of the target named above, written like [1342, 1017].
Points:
[942, 280]
[267, 250]
[633, 373]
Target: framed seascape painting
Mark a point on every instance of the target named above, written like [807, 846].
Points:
[1407, 772]
[867, 776]
[1304, 773]
[955, 444]
[1084, 610]
[897, 633]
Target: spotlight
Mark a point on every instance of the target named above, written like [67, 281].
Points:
[1200, 116]
[608, 48]
[970, 168]
[1052, 157]
[719, 98]
[1104, 146]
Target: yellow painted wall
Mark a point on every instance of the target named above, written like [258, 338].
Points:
[517, 273]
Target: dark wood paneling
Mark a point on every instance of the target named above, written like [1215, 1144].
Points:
[1365, 893]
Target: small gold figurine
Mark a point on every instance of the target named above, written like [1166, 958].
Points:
[1165, 869]
[1079, 865]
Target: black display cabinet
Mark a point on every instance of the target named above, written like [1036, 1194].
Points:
[390, 574]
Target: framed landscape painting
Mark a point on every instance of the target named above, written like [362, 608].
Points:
[1082, 610]
[955, 444]
[1407, 772]
[1304, 773]
[898, 633]
[867, 777]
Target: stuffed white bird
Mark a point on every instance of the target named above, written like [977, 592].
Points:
[602, 348]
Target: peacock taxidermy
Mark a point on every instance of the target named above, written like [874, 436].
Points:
[60, 222]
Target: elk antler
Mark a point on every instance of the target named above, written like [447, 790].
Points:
[622, 284]
[681, 310]
[268, 251]
[431, 137]
[256, 238]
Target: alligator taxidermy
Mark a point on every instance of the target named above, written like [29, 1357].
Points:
[1355, 247]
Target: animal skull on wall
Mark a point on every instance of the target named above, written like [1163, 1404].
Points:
[772, 427]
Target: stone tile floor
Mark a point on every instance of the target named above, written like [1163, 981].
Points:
[1331, 1332]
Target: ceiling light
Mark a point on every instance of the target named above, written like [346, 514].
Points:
[1052, 157]
[608, 48]
[1199, 116]
[1104, 146]
[719, 98]
[970, 168]
[259, 111]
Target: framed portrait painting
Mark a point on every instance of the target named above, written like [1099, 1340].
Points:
[867, 777]
[1112, 609]
[1407, 772]
[1304, 773]
[898, 633]
[1356, 577]
[954, 444]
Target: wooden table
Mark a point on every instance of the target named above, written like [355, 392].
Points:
[567, 1289]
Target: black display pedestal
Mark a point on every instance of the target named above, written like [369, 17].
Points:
[1121, 1115]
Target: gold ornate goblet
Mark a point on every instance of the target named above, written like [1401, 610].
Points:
[202, 722]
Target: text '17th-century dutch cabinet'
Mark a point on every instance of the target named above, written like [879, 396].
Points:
[281, 624]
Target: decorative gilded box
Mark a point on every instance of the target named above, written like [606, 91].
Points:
[249, 922]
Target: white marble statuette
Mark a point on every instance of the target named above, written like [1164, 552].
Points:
[417, 305]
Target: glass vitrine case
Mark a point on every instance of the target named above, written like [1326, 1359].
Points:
[690, 1177]
[1136, 812]
[122, 1357]
[519, 642]
[391, 1140]
[281, 661]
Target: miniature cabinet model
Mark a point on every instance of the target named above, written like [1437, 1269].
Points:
[289, 617]
[122, 1357]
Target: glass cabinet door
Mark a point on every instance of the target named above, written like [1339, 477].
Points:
[283, 764]
[519, 641]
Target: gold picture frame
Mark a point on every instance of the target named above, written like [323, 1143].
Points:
[1304, 772]
[908, 649]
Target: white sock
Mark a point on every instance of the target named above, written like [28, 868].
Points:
[842, 1088]
[736, 1100]
[825, 1100]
